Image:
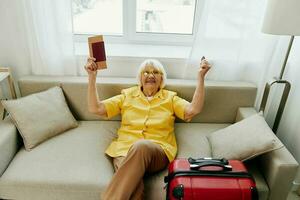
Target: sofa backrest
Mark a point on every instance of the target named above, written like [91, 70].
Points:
[222, 98]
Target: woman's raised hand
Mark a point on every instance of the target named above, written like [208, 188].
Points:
[91, 67]
[204, 67]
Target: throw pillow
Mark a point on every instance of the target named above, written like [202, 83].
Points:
[244, 140]
[40, 116]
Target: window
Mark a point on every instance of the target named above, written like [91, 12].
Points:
[158, 16]
[97, 16]
[137, 21]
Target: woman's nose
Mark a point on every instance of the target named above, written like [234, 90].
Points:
[151, 74]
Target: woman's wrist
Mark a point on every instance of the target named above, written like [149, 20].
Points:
[201, 79]
[92, 78]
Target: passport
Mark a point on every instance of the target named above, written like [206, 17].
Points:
[97, 50]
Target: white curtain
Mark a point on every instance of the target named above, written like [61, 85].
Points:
[229, 36]
[50, 38]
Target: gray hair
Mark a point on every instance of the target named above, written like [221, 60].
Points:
[157, 65]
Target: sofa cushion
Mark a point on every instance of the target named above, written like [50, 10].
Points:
[40, 116]
[244, 140]
[68, 166]
[191, 138]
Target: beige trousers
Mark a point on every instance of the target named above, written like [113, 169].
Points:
[143, 157]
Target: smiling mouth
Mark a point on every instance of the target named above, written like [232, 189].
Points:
[150, 81]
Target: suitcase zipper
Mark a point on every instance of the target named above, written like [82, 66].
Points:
[208, 173]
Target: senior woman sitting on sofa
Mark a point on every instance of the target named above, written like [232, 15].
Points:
[146, 140]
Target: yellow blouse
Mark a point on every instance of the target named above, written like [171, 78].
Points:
[142, 119]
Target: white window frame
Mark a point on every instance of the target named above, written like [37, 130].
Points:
[130, 36]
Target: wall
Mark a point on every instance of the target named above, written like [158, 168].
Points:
[13, 43]
[289, 128]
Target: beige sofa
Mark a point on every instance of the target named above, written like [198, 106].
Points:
[73, 166]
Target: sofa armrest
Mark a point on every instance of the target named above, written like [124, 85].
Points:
[8, 143]
[279, 168]
[244, 112]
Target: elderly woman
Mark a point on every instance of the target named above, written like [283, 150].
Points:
[146, 142]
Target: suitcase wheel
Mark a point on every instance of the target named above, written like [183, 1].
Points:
[178, 191]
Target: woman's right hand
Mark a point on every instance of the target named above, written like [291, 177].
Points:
[91, 67]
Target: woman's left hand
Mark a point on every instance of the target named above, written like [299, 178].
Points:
[204, 68]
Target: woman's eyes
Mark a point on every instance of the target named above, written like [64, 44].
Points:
[153, 72]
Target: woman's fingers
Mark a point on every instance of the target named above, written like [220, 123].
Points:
[89, 68]
[207, 64]
[91, 59]
[91, 65]
[95, 67]
[204, 67]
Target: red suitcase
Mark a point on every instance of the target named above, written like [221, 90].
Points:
[209, 179]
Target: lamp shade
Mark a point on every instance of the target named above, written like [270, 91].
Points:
[282, 17]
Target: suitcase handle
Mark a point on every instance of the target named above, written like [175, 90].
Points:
[200, 160]
[211, 163]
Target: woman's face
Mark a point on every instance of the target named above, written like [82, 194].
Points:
[151, 78]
